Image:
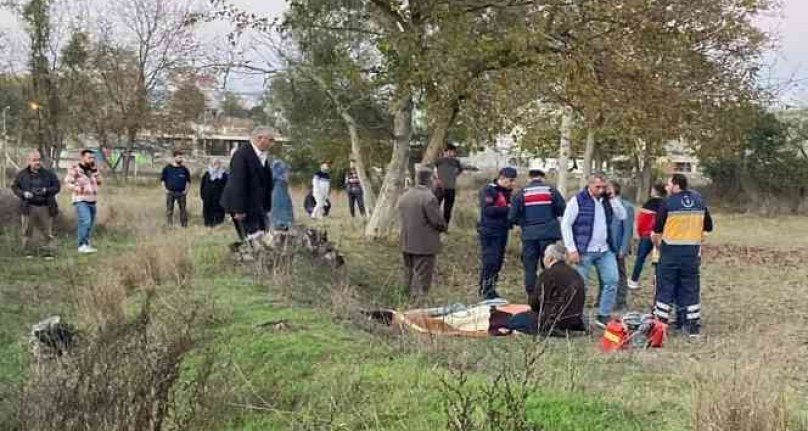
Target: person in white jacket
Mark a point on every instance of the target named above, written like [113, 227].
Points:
[320, 189]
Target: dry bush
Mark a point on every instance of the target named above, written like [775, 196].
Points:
[118, 378]
[101, 303]
[741, 397]
[124, 373]
[155, 263]
[499, 404]
[101, 296]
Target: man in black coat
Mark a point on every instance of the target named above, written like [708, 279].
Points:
[37, 188]
[248, 193]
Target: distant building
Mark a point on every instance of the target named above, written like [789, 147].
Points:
[678, 159]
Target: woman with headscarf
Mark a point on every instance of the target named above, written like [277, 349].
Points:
[210, 190]
[282, 214]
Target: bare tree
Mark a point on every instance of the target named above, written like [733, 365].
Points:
[159, 35]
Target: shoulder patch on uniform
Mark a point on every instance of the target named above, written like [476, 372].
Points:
[489, 199]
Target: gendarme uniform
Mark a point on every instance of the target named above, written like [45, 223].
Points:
[493, 227]
[681, 221]
[536, 209]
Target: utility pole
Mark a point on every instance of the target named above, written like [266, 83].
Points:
[4, 154]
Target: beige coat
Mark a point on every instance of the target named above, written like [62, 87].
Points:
[421, 222]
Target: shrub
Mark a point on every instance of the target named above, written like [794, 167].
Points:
[118, 378]
[740, 398]
[766, 170]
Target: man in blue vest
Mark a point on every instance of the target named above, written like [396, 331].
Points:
[622, 233]
[495, 201]
[680, 226]
[585, 228]
[536, 209]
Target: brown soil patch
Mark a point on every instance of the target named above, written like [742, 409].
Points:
[742, 255]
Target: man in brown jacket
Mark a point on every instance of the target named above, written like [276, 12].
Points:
[421, 226]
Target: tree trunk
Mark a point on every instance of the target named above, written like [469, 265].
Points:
[588, 153]
[353, 132]
[130, 146]
[359, 161]
[385, 209]
[441, 118]
[564, 150]
[646, 176]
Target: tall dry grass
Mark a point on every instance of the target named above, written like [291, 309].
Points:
[139, 319]
[747, 393]
[741, 398]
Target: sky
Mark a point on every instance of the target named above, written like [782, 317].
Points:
[787, 62]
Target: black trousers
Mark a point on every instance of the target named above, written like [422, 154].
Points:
[178, 197]
[213, 213]
[251, 224]
[532, 254]
[492, 256]
[354, 200]
[446, 197]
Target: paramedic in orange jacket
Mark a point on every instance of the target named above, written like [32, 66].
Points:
[680, 226]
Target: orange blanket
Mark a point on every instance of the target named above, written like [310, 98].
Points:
[472, 322]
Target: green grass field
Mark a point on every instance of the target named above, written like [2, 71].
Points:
[291, 354]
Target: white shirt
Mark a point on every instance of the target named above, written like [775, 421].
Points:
[600, 231]
[321, 188]
[262, 155]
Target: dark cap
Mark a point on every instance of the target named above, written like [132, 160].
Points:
[508, 172]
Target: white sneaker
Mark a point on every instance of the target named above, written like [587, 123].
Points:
[86, 249]
[633, 285]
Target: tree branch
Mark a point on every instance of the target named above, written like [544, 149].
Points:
[392, 15]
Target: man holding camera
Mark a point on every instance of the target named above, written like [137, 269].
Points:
[585, 228]
[37, 188]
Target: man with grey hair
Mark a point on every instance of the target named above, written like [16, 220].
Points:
[247, 197]
[585, 228]
[421, 226]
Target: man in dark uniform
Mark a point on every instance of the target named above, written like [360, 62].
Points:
[495, 201]
[536, 209]
[679, 231]
[248, 193]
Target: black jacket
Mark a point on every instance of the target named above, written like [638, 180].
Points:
[43, 184]
[559, 299]
[249, 187]
[211, 191]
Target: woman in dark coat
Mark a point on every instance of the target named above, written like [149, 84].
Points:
[210, 190]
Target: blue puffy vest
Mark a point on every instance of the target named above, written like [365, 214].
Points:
[584, 225]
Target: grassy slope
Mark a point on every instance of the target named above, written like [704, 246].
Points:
[321, 372]
[325, 371]
[318, 373]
